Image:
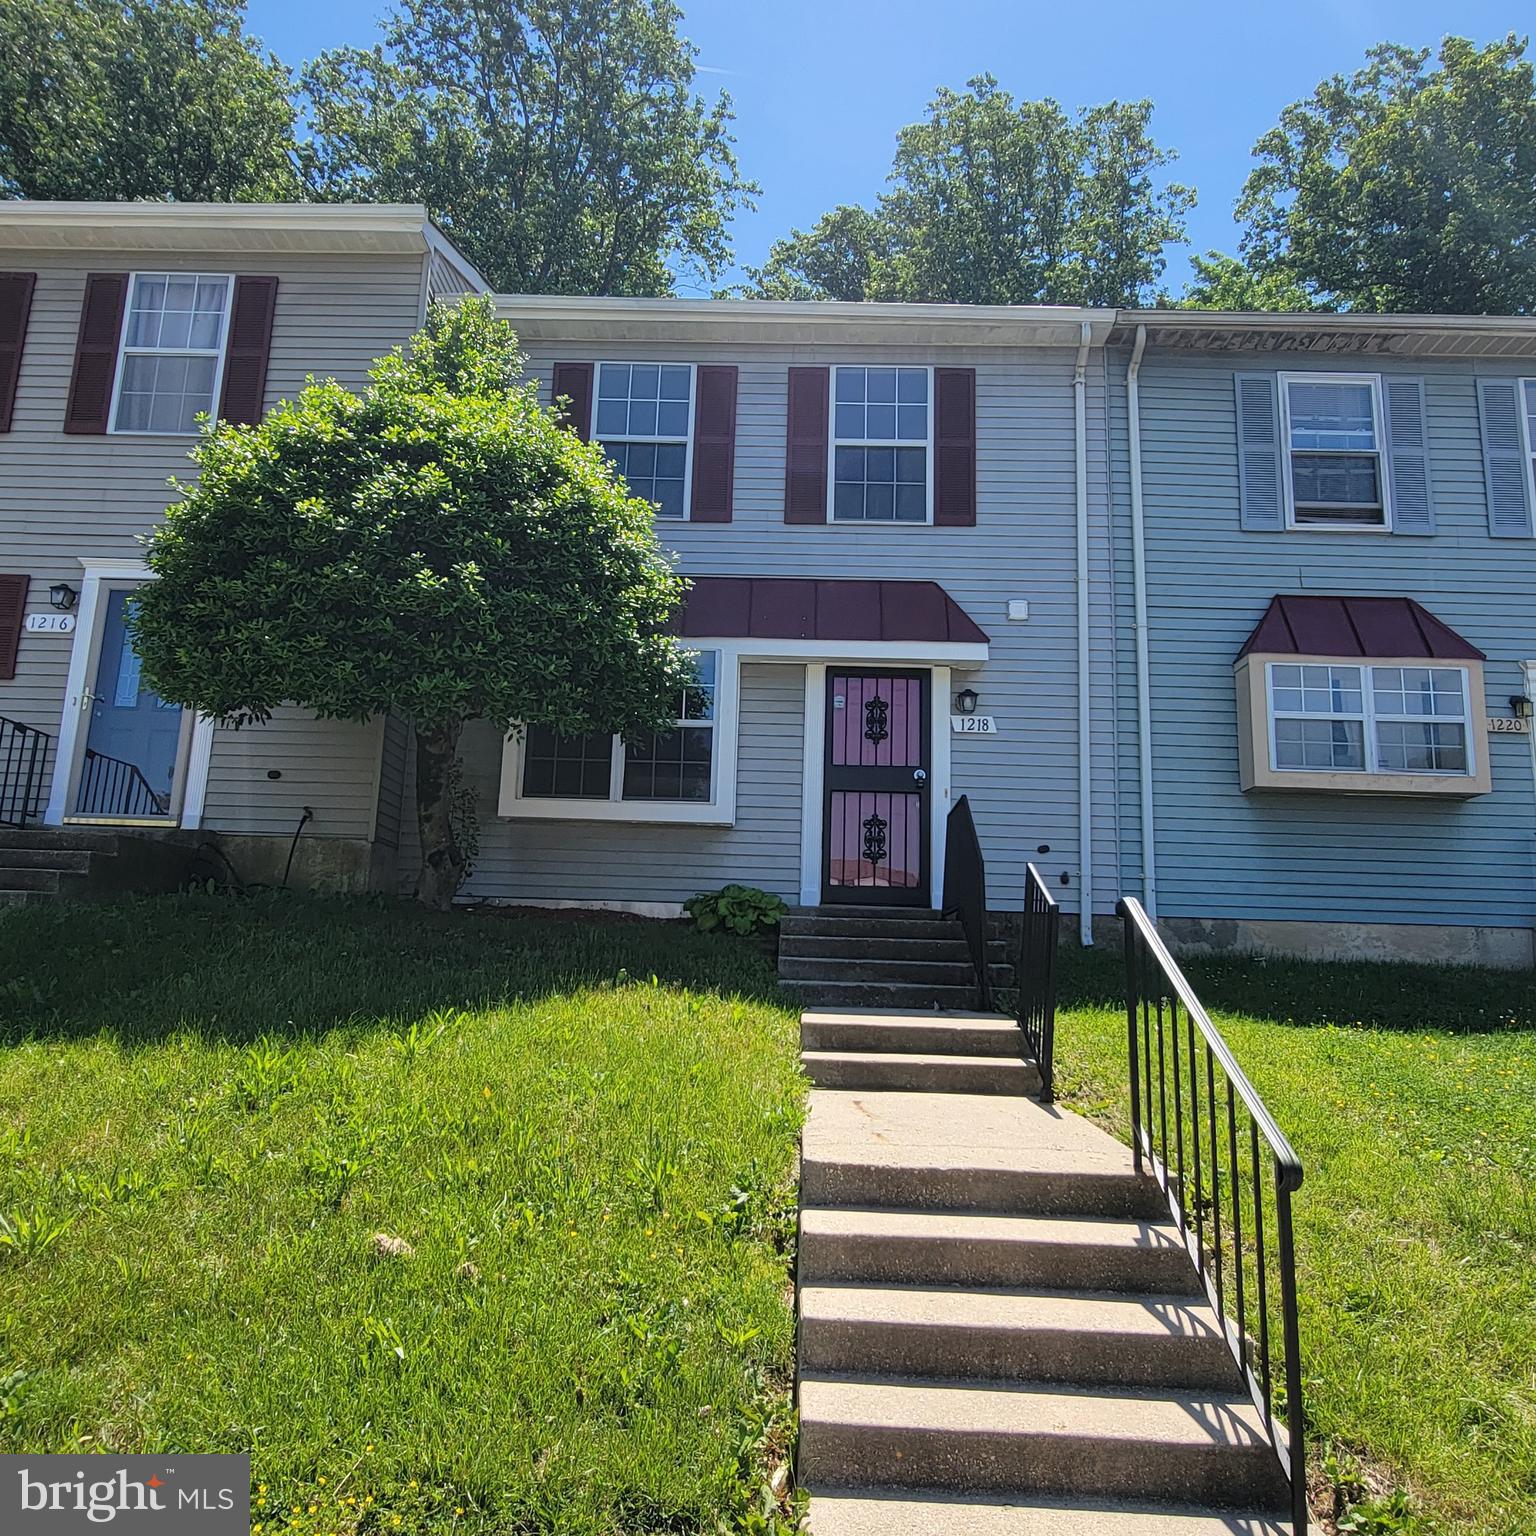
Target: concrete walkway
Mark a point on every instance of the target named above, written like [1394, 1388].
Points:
[1000, 1330]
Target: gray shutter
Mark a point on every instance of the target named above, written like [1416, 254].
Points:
[1506, 470]
[1408, 456]
[1258, 452]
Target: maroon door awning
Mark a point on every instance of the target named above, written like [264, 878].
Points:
[787, 608]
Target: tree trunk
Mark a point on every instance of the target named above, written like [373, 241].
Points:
[442, 864]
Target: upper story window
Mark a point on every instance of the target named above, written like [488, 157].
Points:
[1530, 429]
[645, 425]
[882, 423]
[1334, 462]
[172, 351]
[1368, 719]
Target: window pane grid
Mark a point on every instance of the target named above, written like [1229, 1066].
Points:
[1334, 443]
[644, 420]
[172, 342]
[1372, 720]
[880, 435]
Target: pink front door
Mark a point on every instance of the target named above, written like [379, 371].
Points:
[875, 826]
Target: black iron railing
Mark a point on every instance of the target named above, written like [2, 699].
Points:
[23, 761]
[1039, 934]
[111, 787]
[1201, 1128]
[965, 891]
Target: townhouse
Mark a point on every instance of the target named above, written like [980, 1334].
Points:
[1228, 612]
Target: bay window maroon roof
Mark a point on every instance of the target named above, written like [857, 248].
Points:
[788, 608]
[1313, 625]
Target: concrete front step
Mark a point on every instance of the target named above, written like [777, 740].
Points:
[942, 973]
[898, 923]
[909, 1072]
[961, 1034]
[59, 837]
[966, 1152]
[21, 898]
[868, 1512]
[971, 1248]
[855, 948]
[44, 881]
[66, 860]
[1083, 1338]
[1188, 1447]
[900, 997]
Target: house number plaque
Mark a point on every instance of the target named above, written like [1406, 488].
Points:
[50, 623]
[1509, 725]
[973, 725]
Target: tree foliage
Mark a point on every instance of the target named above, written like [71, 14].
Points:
[1226, 282]
[1407, 186]
[559, 142]
[127, 99]
[438, 548]
[993, 201]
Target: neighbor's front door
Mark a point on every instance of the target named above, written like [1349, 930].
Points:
[133, 741]
[875, 824]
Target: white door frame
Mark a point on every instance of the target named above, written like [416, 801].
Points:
[103, 576]
[813, 776]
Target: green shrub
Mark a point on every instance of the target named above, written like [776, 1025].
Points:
[739, 909]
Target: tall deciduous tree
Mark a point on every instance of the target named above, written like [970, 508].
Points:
[1226, 282]
[993, 201]
[1405, 186]
[129, 99]
[559, 142]
[438, 548]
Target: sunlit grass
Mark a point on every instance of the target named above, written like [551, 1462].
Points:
[469, 1223]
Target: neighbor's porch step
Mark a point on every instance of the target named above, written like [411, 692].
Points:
[873, 1029]
[942, 973]
[966, 1152]
[70, 860]
[1191, 1447]
[899, 923]
[867, 1512]
[857, 947]
[1084, 1338]
[909, 1072]
[899, 997]
[21, 898]
[59, 837]
[44, 881]
[982, 1248]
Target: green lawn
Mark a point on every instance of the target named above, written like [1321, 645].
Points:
[1410, 1095]
[473, 1223]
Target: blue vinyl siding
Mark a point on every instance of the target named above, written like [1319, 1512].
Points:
[1290, 855]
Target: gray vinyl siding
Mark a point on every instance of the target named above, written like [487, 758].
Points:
[625, 862]
[1298, 856]
[66, 496]
[1022, 783]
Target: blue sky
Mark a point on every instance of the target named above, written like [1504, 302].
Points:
[821, 86]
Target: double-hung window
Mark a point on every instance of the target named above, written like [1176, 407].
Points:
[645, 425]
[882, 426]
[678, 766]
[1369, 719]
[1335, 472]
[172, 351]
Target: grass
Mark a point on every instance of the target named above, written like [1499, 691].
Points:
[1410, 1095]
[469, 1224]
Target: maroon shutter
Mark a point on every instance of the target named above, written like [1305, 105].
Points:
[714, 443]
[101, 322]
[805, 457]
[15, 306]
[573, 381]
[954, 447]
[13, 610]
[248, 348]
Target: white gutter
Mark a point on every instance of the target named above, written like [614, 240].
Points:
[1084, 691]
[1143, 665]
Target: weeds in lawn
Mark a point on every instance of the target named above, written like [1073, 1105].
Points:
[30, 1231]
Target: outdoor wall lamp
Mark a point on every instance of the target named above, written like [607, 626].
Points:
[62, 596]
[1522, 706]
[965, 701]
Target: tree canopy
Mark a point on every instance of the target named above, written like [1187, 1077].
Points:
[1406, 186]
[993, 201]
[126, 99]
[438, 548]
[559, 142]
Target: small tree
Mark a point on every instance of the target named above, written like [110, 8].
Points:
[438, 548]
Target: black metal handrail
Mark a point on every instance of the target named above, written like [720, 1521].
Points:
[111, 787]
[1193, 1152]
[23, 762]
[1039, 934]
[965, 891]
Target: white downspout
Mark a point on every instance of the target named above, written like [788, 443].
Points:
[1084, 690]
[1143, 664]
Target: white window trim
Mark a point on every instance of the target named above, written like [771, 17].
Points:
[719, 810]
[834, 443]
[639, 437]
[1369, 720]
[220, 354]
[1525, 399]
[1384, 467]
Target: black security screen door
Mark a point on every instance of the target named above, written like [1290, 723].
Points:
[875, 823]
